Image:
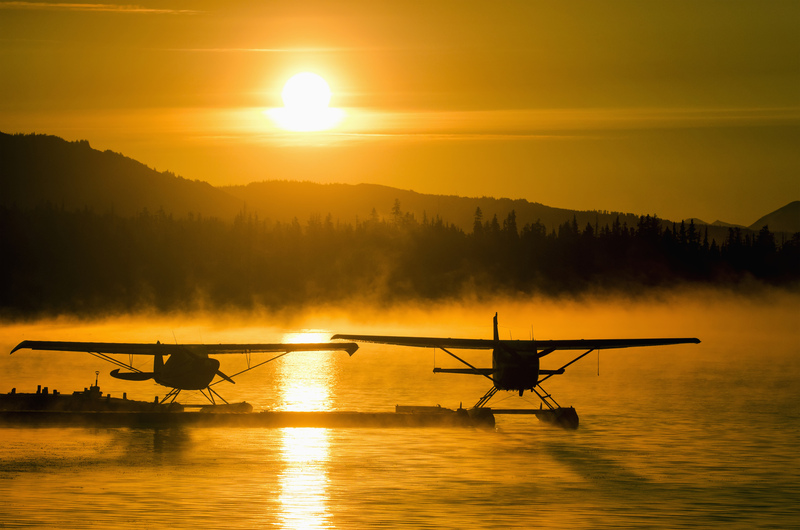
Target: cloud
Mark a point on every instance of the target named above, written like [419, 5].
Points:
[260, 50]
[532, 124]
[109, 8]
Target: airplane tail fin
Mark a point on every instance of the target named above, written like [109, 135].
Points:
[496, 333]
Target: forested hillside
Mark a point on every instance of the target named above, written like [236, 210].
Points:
[89, 263]
[278, 201]
[38, 169]
[88, 232]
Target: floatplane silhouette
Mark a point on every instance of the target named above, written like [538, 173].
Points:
[516, 365]
[188, 367]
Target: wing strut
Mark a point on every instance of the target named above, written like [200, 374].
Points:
[477, 371]
[248, 369]
[561, 370]
[114, 361]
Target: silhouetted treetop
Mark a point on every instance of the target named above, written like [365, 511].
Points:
[85, 262]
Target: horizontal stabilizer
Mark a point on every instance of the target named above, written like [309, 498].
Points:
[131, 376]
[469, 371]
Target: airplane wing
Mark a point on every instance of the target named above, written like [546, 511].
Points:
[608, 344]
[543, 346]
[429, 342]
[167, 349]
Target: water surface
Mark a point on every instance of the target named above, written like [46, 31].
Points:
[678, 437]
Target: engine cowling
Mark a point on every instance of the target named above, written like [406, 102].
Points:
[515, 370]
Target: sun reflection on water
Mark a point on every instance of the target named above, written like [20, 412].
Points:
[305, 378]
[304, 384]
[304, 480]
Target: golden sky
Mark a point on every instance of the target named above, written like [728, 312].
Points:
[678, 108]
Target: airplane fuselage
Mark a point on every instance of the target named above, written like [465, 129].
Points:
[514, 370]
[185, 371]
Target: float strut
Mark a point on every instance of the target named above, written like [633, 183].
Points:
[486, 397]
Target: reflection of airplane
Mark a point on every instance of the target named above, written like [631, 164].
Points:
[189, 366]
[515, 363]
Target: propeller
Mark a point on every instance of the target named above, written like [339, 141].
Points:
[203, 355]
[225, 377]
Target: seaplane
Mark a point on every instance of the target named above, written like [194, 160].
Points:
[188, 366]
[516, 365]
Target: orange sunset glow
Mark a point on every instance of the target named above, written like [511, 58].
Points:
[682, 109]
[368, 264]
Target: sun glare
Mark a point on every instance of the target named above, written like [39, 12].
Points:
[306, 378]
[306, 92]
[306, 97]
[305, 336]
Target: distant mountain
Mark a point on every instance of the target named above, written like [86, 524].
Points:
[346, 203]
[719, 224]
[786, 219]
[40, 169]
[723, 224]
[37, 169]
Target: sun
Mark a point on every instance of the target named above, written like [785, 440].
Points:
[306, 97]
[306, 92]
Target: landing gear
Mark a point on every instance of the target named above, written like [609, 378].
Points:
[486, 397]
[554, 414]
[172, 395]
[211, 394]
[546, 398]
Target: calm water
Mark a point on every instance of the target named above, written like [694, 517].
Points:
[677, 437]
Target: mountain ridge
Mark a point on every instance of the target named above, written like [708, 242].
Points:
[39, 169]
[268, 198]
[785, 219]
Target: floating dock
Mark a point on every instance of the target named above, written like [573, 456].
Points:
[267, 419]
[90, 408]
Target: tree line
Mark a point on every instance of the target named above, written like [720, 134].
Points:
[81, 262]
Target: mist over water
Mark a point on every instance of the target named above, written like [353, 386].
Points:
[672, 437]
